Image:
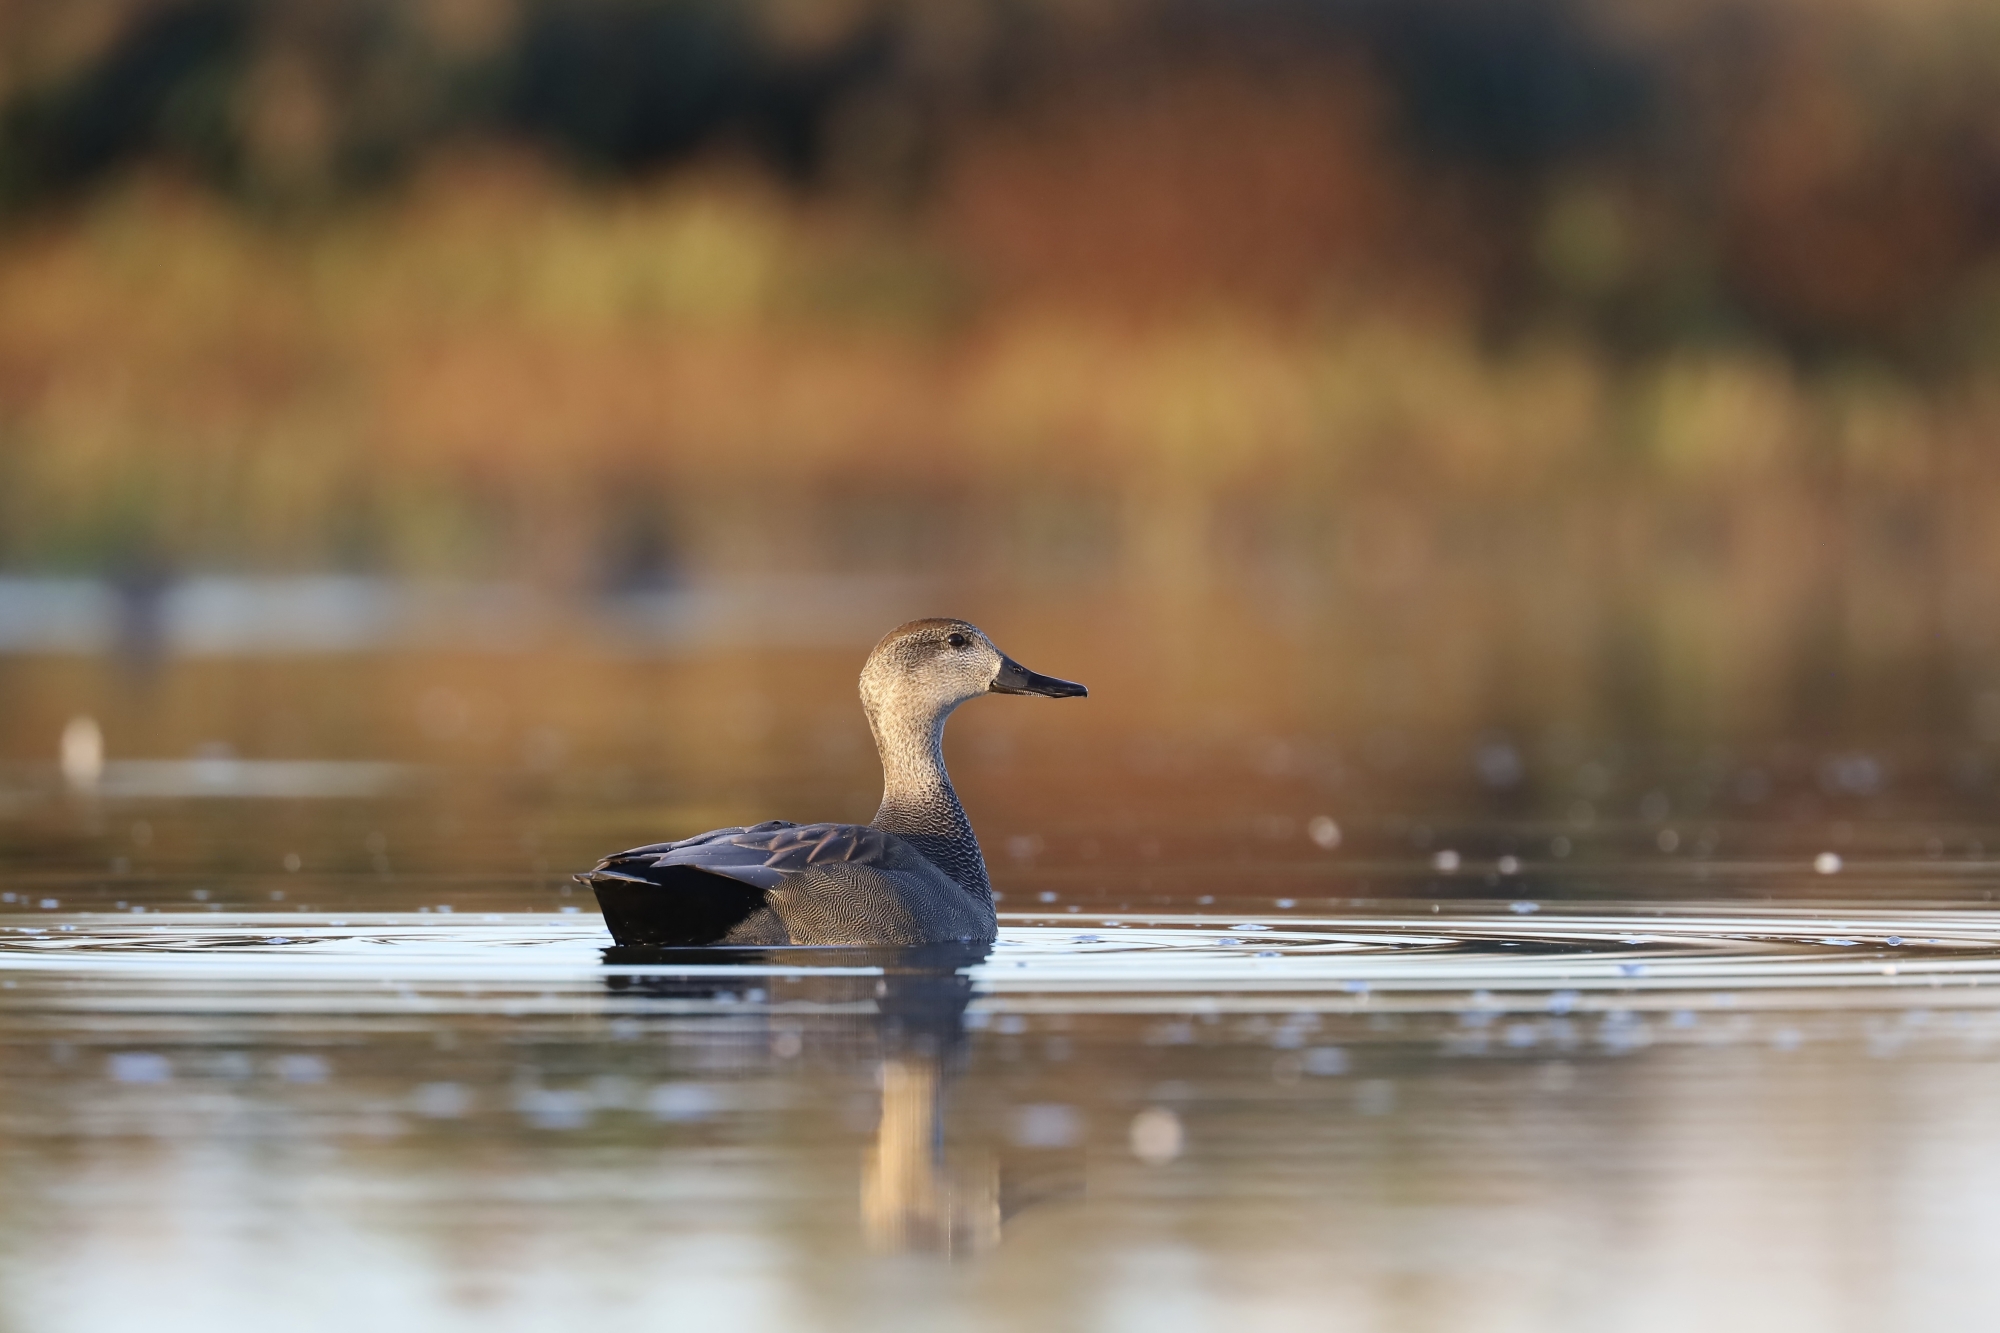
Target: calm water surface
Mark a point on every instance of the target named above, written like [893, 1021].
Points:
[1386, 1116]
[1304, 1014]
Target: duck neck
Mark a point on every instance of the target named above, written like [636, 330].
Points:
[918, 803]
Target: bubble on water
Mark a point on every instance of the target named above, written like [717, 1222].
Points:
[1632, 969]
[1839, 942]
[1893, 941]
[301, 1068]
[1524, 908]
[1287, 902]
[1270, 953]
[1325, 1061]
[1086, 939]
[49, 904]
[1446, 861]
[1375, 1096]
[82, 752]
[1853, 774]
[1046, 1125]
[139, 1067]
[1324, 832]
[1228, 942]
[1499, 765]
[681, 1102]
[1156, 1136]
[555, 1108]
[1046, 896]
[1827, 863]
[1249, 925]
[440, 1101]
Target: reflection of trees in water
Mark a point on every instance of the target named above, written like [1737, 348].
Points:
[916, 1195]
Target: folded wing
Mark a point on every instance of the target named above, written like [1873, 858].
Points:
[761, 855]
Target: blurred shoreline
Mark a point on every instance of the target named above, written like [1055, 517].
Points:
[223, 616]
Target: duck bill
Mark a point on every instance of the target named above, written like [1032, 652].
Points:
[1013, 678]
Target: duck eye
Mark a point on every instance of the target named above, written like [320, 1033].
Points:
[957, 640]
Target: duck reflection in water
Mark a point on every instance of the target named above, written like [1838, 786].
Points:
[915, 1197]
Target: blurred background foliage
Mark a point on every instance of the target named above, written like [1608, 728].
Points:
[603, 292]
[1343, 387]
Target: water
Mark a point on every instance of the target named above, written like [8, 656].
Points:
[1391, 1117]
[1490, 1001]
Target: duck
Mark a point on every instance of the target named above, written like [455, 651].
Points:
[913, 875]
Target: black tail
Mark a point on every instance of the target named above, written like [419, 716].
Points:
[672, 906]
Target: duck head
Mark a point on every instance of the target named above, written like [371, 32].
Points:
[929, 667]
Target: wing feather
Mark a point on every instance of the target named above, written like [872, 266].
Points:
[760, 855]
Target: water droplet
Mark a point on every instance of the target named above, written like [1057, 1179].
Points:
[1047, 1125]
[82, 750]
[1156, 1136]
[1325, 1062]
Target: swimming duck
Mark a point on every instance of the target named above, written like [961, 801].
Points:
[913, 875]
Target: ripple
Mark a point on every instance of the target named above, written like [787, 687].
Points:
[1375, 960]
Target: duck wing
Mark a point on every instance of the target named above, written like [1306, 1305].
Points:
[760, 855]
[717, 887]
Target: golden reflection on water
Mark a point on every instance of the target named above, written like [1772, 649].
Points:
[912, 1198]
